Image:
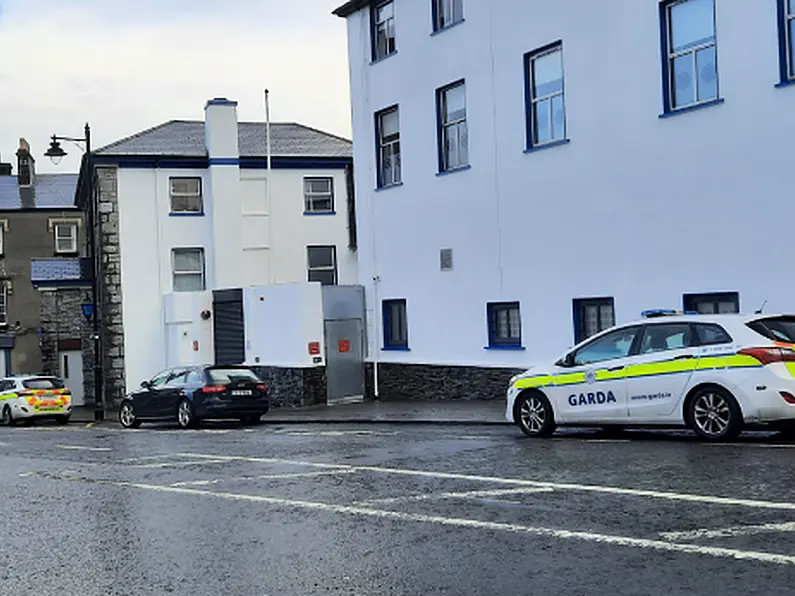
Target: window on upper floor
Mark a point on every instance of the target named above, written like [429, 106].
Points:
[322, 264]
[188, 269]
[504, 324]
[591, 316]
[446, 13]
[453, 133]
[387, 124]
[712, 304]
[546, 107]
[186, 196]
[2, 238]
[690, 69]
[65, 238]
[787, 26]
[396, 330]
[382, 17]
[319, 195]
[3, 303]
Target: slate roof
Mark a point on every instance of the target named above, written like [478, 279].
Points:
[350, 7]
[185, 138]
[59, 270]
[50, 191]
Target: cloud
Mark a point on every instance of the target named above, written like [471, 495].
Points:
[137, 64]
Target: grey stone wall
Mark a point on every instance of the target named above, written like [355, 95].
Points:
[62, 319]
[294, 387]
[397, 382]
[110, 296]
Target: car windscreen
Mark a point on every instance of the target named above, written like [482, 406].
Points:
[45, 383]
[224, 376]
[776, 328]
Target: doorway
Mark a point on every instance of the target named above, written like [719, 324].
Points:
[71, 366]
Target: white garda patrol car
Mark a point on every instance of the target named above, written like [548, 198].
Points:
[32, 397]
[714, 374]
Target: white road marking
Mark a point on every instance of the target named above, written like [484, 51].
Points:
[262, 477]
[83, 448]
[729, 532]
[729, 501]
[472, 494]
[175, 464]
[607, 440]
[625, 541]
[4, 444]
[130, 460]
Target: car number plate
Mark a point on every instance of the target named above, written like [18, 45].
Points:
[241, 392]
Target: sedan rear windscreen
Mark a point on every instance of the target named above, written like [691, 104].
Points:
[223, 376]
[42, 384]
[775, 328]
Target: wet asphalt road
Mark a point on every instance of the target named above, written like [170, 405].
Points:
[414, 510]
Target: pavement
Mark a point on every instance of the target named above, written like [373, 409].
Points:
[481, 412]
[302, 509]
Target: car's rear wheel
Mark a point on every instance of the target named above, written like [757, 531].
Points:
[61, 420]
[185, 417]
[251, 419]
[127, 417]
[534, 415]
[8, 417]
[714, 414]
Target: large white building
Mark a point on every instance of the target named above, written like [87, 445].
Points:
[186, 211]
[530, 171]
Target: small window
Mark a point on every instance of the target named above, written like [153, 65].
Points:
[225, 376]
[2, 239]
[546, 107]
[318, 195]
[712, 304]
[160, 378]
[787, 11]
[43, 383]
[65, 238]
[188, 268]
[592, 316]
[322, 264]
[383, 27]
[446, 13]
[505, 324]
[710, 334]
[396, 334]
[453, 133]
[664, 337]
[194, 376]
[691, 65]
[775, 328]
[186, 195]
[3, 303]
[612, 345]
[388, 132]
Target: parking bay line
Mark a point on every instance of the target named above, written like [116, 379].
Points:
[285, 476]
[83, 448]
[729, 532]
[728, 501]
[472, 494]
[625, 541]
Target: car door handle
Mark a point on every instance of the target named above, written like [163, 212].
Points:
[616, 368]
[684, 357]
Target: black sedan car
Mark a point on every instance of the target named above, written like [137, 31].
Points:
[189, 394]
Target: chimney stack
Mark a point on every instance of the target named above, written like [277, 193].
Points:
[26, 165]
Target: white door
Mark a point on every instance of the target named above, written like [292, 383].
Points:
[3, 371]
[72, 374]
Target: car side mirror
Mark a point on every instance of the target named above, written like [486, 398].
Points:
[146, 384]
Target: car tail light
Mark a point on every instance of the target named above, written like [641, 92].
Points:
[769, 355]
[262, 387]
[788, 397]
[214, 389]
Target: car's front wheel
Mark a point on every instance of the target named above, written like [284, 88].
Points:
[534, 415]
[714, 414]
[127, 417]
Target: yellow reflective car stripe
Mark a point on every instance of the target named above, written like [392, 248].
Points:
[791, 368]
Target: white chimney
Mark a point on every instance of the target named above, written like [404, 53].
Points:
[220, 129]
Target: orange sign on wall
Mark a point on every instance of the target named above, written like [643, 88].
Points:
[314, 347]
[344, 345]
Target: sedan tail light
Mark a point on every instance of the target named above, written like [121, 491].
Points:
[769, 355]
[262, 387]
[214, 389]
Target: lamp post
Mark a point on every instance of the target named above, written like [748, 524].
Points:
[89, 307]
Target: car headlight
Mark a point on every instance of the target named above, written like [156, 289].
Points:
[514, 379]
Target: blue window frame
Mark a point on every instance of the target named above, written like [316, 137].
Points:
[387, 138]
[689, 54]
[452, 131]
[591, 316]
[505, 324]
[446, 13]
[712, 303]
[396, 330]
[786, 18]
[544, 96]
[382, 29]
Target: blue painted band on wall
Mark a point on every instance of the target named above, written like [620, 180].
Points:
[224, 161]
[221, 101]
[202, 163]
[187, 214]
[311, 213]
[509, 348]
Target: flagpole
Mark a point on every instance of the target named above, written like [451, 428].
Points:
[268, 186]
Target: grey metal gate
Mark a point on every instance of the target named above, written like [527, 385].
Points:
[228, 327]
[344, 360]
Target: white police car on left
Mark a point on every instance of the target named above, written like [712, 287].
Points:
[34, 397]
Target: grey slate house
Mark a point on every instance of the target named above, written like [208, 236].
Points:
[40, 228]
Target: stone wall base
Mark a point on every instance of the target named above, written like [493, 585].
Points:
[400, 382]
[294, 387]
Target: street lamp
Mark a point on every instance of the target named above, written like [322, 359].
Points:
[89, 307]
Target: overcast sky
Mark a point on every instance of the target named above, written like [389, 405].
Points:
[127, 65]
